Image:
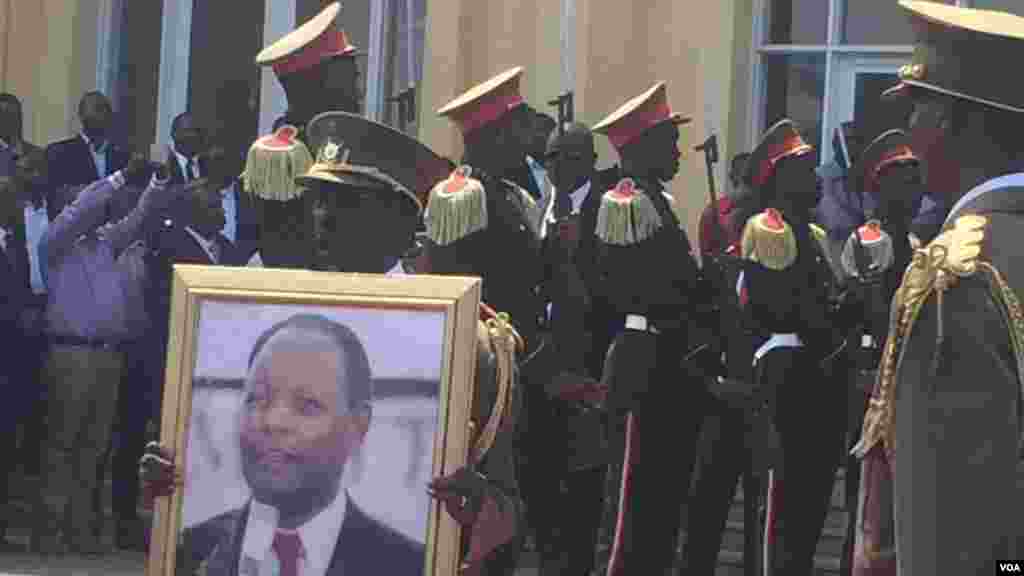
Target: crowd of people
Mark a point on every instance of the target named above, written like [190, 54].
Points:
[821, 331]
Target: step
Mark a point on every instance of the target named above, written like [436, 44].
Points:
[830, 543]
[727, 559]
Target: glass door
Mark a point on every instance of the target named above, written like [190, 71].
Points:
[857, 86]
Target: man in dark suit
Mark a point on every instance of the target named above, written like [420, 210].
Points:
[87, 157]
[572, 437]
[188, 140]
[14, 295]
[295, 438]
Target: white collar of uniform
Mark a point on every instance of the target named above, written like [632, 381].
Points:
[993, 184]
[319, 535]
[396, 270]
[205, 243]
[4, 234]
[4, 145]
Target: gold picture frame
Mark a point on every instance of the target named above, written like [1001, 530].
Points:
[197, 288]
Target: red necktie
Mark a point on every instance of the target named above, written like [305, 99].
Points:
[288, 547]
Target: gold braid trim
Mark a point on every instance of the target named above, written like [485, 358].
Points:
[953, 255]
[503, 339]
[774, 249]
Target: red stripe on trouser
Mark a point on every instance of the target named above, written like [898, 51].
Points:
[769, 524]
[615, 566]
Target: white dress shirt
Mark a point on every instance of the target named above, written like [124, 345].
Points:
[319, 537]
[36, 223]
[99, 157]
[189, 166]
[578, 197]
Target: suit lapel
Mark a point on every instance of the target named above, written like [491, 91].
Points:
[89, 163]
[224, 559]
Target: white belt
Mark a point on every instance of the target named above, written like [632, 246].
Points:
[637, 322]
[778, 341]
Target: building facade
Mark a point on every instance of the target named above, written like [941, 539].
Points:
[735, 66]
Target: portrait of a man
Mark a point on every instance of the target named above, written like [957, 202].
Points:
[305, 407]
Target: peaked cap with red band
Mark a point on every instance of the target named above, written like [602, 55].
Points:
[957, 51]
[892, 147]
[781, 141]
[486, 102]
[308, 45]
[639, 115]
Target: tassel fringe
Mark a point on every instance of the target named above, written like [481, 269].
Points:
[456, 209]
[270, 173]
[624, 221]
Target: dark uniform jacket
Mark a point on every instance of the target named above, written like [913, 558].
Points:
[948, 409]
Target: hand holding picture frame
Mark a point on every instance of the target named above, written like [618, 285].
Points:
[308, 412]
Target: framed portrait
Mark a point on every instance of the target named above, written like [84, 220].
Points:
[307, 412]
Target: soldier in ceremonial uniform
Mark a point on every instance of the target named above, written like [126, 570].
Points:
[946, 411]
[351, 200]
[319, 71]
[480, 213]
[648, 273]
[786, 287]
[873, 258]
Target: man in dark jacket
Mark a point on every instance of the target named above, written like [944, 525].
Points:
[85, 158]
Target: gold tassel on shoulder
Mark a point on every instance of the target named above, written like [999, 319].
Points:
[626, 216]
[457, 207]
[769, 240]
[273, 164]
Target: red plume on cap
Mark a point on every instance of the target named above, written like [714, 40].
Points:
[458, 179]
[284, 137]
[625, 189]
[870, 232]
[773, 220]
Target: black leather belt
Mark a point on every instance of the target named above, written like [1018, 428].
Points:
[79, 342]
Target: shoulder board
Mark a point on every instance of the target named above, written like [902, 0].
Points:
[955, 253]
